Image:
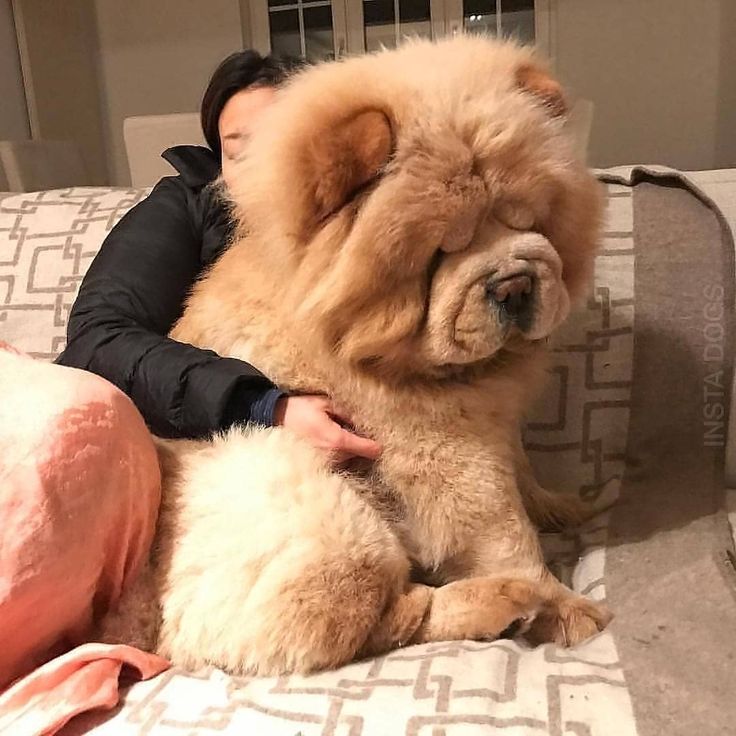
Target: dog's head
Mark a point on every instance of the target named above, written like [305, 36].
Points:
[423, 205]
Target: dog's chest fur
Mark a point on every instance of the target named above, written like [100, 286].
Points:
[429, 437]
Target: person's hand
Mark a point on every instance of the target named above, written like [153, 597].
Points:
[314, 419]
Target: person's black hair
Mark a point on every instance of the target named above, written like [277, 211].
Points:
[238, 71]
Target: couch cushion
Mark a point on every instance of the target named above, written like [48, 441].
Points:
[606, 427]
[47, 241]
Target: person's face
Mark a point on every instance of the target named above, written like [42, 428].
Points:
[238, 120]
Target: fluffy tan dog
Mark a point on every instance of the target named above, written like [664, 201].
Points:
[413, 226]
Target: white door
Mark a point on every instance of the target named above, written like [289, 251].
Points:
[515, 18]
[376, 24]
[310, 29]
[321, 29]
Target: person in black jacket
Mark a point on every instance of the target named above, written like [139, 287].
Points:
[135, 289]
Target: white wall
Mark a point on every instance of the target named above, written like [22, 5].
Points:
[13, 112]
[156, 57]
[726, 111]
[58, 46]
[661, 74]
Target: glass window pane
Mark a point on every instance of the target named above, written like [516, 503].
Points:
[479, 7]
[285, 33]
[318, 33]
[276, 3]
[513, 6]
[518, 21]
[517, 18]
[415, 18]
[379, 21]
[412, 11]
[479, 16]
[378, 12]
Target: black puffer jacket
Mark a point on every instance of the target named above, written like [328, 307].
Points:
[133, 294]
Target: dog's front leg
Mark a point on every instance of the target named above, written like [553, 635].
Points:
[509, 548]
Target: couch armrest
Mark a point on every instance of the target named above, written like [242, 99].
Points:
[720, 187]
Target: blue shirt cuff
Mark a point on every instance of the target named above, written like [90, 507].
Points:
[262, 409]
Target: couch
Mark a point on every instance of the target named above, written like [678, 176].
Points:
[635, 418]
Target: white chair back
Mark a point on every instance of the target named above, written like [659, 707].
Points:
[148, 136]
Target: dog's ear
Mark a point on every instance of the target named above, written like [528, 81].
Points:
[343, 159]
[537, 81]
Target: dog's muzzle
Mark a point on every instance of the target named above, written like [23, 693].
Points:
[513, 297]
[504, 288]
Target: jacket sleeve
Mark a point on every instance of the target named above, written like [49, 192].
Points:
[129, 300]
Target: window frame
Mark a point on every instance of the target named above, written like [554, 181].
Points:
[446, 18]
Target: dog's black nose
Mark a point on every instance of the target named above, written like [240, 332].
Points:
[513, 296]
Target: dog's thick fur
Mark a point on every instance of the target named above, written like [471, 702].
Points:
[380, 203]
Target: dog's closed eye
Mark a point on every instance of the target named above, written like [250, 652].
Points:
[515, 215]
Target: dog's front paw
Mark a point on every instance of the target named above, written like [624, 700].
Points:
[523, 602]
[483, 609]
[568, 621]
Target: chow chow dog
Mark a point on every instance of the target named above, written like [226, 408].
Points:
[412, 227]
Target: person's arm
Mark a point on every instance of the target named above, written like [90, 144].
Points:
[130, 298]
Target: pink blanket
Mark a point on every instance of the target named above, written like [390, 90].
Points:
[79, 493]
